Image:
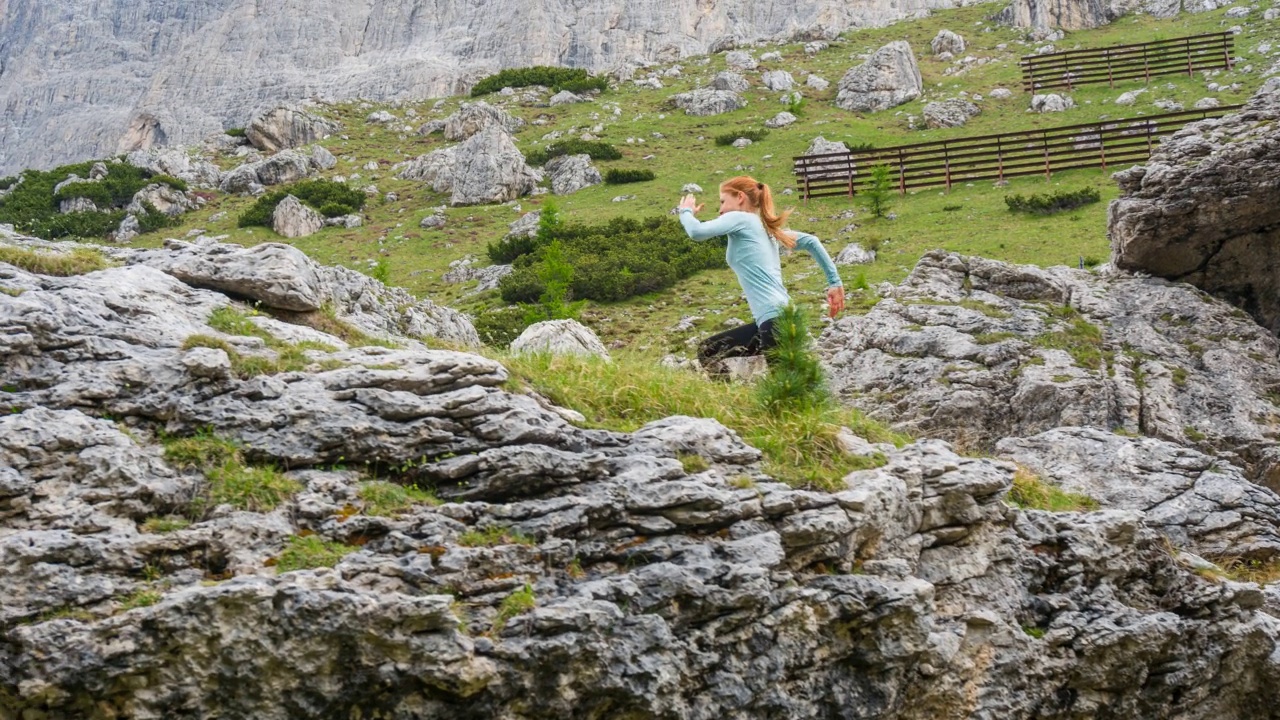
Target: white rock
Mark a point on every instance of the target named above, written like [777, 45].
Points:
[559, 337]
[293, 219]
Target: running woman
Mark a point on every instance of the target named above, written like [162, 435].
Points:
[755, 231]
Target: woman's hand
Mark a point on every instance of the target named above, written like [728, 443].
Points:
[835, 299]
[691, 203]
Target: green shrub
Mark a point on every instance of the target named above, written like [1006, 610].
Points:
[173, 182]
[95, 191]
[557, 78]
[498, 328]
[330, 198]
[152, 219]
[234, 132]
[618, 176]
[597, 151]
[795, 378]
[555, 275]
[752, 135]
[8, 182]
[879, 191]
[1050, 203]
[33, 207]
[616, 260]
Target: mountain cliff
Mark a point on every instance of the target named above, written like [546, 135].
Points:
[81, 78]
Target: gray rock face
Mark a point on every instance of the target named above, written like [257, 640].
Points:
[975, 350]
[287, 166]
[487, 278]
[741, 60]
[1081, 14]
[126, 75]
[730, 81]
[128, 230]
[1201, 504]
[163, 198]
[890, 77]
[1206, 207]
[293, 219]
[571, 173]
[197, 172]
[947, 41]
[706, 101]
[559, 337]
[471, 118]
[76, 205]
[564, 97]
[854, 254]
[949, 113]
[782, 119]
[287, 126]
[823, 146]
[487, 168]
[1000, 94]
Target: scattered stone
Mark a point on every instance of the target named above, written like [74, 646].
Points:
[434, 221]
[293, 219]
[949, 113]
[947, 42]
[705, 101]
[1000, 94]
[741, 60]
[817, 83]
[287, 126]
[623, 198]
[564, 97]
[1130, 97]
[854, 254]
[571, 173]
[1051, 102]
[381, 117]
[778, 80]
[730, 81]
[1207, 103]
[128, 230]
[559, 337]
[813, 48]
[741, 143]
[782, 119]
[1168, 105]
[473, 118]
[691, 188]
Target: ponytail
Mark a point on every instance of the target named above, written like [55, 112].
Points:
[761, 198]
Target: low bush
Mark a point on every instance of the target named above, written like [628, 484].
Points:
[557, 78]
[8, 182]
[498, 328]
[331, 199]
[1050, 203]
[33, 207]
[615, 260]
[619, 176]
[795, 380]
[752, 135]
[597, 151]
[234, 132]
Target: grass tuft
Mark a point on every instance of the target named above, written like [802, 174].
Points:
[312, 551]
[77, 262]
[493, 536]
[388, 499]
[517, 603]
[1032, 493]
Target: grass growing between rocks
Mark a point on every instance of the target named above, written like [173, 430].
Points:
[493, 536]
[312, 551]
[799, 446]
[77, 262]
[1031, 493]
[389, 499]
[231, 480]
[517, 603]
[1081, 339]
[161, 525]
[286, 356]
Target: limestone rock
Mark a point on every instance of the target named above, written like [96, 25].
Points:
[1207, 103]
[564, 97]
[293, 219]
[472, 118]
[322, 158]
[1205, 208]
[163, 198]
[854, 254]
[1051, 102]
[487, 278]
[823, 146]
[128, 230]
[1000, 94]
[782, 119]
[287, 126]
[487, 168]
[705, 101]
[741, 143]
[949, 113]
[571, 173]
[527, 225]
[381, 117]
[817, 83]
[890, 77]
[689, 188]
[559, 337]
[196, 172]
[1081, 14]
[730, 81]
[1130, 97]
[740, 60]
[76, 205]
[778, 80]
[975, 350]
[947, 41]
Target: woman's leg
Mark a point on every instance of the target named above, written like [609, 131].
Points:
[739, 341]
[765, 338]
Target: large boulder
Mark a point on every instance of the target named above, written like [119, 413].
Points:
[947, 41]
[559, 337]
[1051, 102]
[162, 197]
[287, 166]
[175, 162]
[708, 101]
[730, 81]
[1205, 208]
[975, 350]
[949, 113]
[471, 118]
[571, 173]
[778, 80]
[287, 126]
[487, 168]
[293, 219]
[890, 77]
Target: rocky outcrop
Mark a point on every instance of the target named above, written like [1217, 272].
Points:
[287, 166]
[462, 270]
[282, 277]
[471, 118]
[163, 198]
[144, 73]
[287, 126]
[293, 219]
[949, 113]
[890, 77]
[196, 172]
[1205, 209]
[1051, 102]
[947, 41]
[571, 173]
[559, 337]
[707, 101]
[730, 81]
[975, 350]
[487, 168]
[777, 80]
[1081, 14]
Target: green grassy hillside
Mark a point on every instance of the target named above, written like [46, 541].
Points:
[969, 219]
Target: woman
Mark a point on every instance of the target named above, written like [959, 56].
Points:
[747, 217]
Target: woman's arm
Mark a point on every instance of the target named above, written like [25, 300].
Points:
[722, 225]
[813, 246]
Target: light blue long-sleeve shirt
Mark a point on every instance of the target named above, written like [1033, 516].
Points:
[753, 256]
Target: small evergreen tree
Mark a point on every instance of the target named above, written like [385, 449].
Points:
[556, 275]
[795, 380]
[549, 223]
[879, 190]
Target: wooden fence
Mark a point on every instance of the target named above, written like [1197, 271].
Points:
[994, 157]
[1127, 62]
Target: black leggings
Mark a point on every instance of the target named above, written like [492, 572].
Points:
[739, 342]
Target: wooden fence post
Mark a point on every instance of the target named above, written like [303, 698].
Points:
[1102, 148]
[1190, 71]
[1044, 143]
[902, 174]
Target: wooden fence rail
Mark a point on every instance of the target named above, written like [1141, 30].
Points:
[1127, 62]
[994, 157]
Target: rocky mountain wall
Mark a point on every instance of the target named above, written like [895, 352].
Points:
[89, 78]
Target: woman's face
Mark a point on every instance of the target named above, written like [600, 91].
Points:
[733, 200]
